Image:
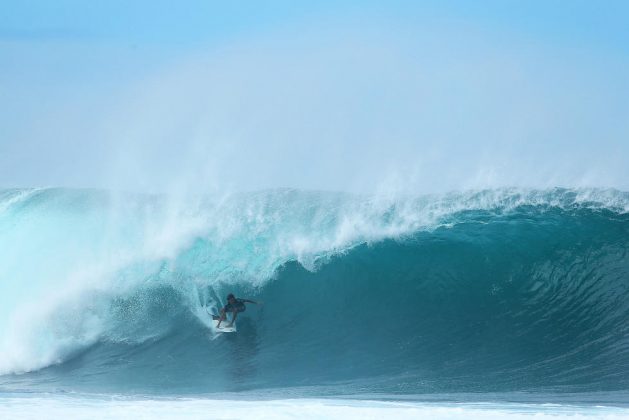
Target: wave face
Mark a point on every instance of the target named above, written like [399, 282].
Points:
[490, 291]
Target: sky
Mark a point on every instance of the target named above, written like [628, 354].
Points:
[419, 96]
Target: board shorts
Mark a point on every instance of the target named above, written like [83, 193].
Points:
[238, 307]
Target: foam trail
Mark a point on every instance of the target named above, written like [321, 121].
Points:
[38, 407]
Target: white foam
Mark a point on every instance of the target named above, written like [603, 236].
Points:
[76, 407]
[13, 197]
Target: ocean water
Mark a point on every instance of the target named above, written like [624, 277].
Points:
[479, 304]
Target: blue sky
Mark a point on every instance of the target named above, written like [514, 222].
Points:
[426, 96]
[193, 22]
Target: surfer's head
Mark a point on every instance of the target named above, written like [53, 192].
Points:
[230, 297]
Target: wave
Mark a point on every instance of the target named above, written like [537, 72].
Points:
[491, 290]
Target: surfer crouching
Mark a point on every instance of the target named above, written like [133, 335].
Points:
[234, 305]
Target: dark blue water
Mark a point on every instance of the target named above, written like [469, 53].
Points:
[520, 295]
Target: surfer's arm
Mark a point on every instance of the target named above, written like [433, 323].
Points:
[250, 301]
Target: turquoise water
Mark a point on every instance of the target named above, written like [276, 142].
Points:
[499, 295]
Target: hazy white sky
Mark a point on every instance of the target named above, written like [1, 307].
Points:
[428, 97]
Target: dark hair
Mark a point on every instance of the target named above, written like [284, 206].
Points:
[230, 296]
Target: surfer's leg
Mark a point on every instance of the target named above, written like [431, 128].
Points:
[236, 310]
[221, 318]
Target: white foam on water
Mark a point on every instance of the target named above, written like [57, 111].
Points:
[78, 407]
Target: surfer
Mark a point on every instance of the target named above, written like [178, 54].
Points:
[234, 305]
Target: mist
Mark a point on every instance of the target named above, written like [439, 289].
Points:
[346, 106]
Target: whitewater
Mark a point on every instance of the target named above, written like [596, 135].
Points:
[477, 304]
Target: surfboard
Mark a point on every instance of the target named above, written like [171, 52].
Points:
[224, 327]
